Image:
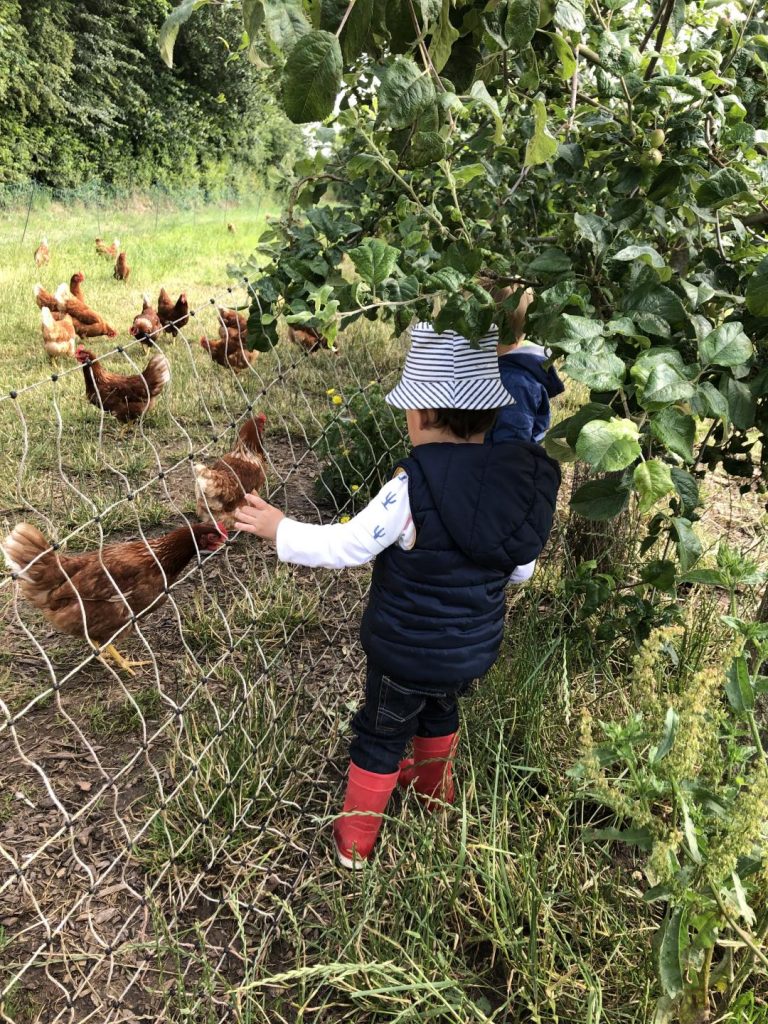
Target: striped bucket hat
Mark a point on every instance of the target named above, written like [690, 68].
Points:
[442, 371]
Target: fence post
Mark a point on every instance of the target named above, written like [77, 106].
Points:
[29, 211]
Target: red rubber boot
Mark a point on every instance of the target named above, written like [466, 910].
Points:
[355, 834]
[430, 768]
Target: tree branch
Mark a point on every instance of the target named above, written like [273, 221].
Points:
[665, 18]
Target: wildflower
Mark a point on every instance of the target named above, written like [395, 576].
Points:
[345, 451]
[337, 399]
[331, 391]
[745, 828]
[354, 487]
[344, 519]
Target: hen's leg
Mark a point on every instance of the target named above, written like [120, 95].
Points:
[121, 662]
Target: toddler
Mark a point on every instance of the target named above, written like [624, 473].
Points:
[457, 522]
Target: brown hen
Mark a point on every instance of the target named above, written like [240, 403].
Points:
[88, 323]
[58, 335]
[231, 354]
[220, 488]
[146, 326]
[173, 315]
[125, 397]
[95, 594]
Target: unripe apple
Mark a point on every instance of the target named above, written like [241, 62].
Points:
[656, 138]
[653, 158]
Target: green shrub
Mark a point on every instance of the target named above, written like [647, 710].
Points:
[362, 440]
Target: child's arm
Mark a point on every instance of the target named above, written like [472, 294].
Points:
[384, 521]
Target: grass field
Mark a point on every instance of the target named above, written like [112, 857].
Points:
[173, 829]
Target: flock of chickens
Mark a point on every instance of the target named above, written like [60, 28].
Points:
[98, 594]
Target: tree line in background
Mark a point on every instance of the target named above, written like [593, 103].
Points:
[85, 96]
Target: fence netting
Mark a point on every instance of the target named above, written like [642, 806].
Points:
[157, 829]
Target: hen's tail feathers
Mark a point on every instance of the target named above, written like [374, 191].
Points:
[46, 318]
[23, 545]
[157, 374]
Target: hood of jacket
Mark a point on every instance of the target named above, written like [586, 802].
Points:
[497, 502]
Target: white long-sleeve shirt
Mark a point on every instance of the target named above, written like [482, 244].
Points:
[384, 521]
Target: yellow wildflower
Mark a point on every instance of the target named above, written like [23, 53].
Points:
[331, 391]
[344, 519]
[337, 399]
[354, 487]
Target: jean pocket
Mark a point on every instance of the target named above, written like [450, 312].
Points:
[396, 706]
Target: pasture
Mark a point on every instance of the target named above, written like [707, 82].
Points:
[166, 837]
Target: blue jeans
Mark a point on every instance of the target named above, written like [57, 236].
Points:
[393, 713]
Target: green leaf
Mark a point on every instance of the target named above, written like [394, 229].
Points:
[666, 384]
[707, 401]
[600, 499]
[757, 290]
[253, 17]
[522, 20]
[741, 403]
[687, 487]
[728, 345]
[609, 445]
[667, 740]
[443, 38]
[357, 27]
[285, 23]
[550, 261]
[644, 253]
[676, 430]
[688, 544]
[660, 572]
[312, 77]
[673, 940]
[592, 228]
[640, 837]
[542, 146]
[468, 172]
[650, 297]
[690, 830]
[601, 371]
[569, 15]
[738, 689]
[374, 261]
[405, 92]
[720, 188]
[652, 480]
[426, 148]
[564, 55]
[479, 93]
[169, 30]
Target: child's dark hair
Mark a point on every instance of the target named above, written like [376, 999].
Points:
[464, 422]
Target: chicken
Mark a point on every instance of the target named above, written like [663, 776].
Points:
[122, 270]
[88, 323]
[95, 594]
[232, 354]
[146, 326]
[42, 253]
[220, 488]
[308, 338]
[109, 251]
[76, 286]
[231, 228]
[44, 299]
[173, 316]
[125, 397]
[58, 335]
[233, 326]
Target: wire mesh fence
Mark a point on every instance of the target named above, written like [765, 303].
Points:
[158, 824]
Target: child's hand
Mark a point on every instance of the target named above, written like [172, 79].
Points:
[256, 516]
